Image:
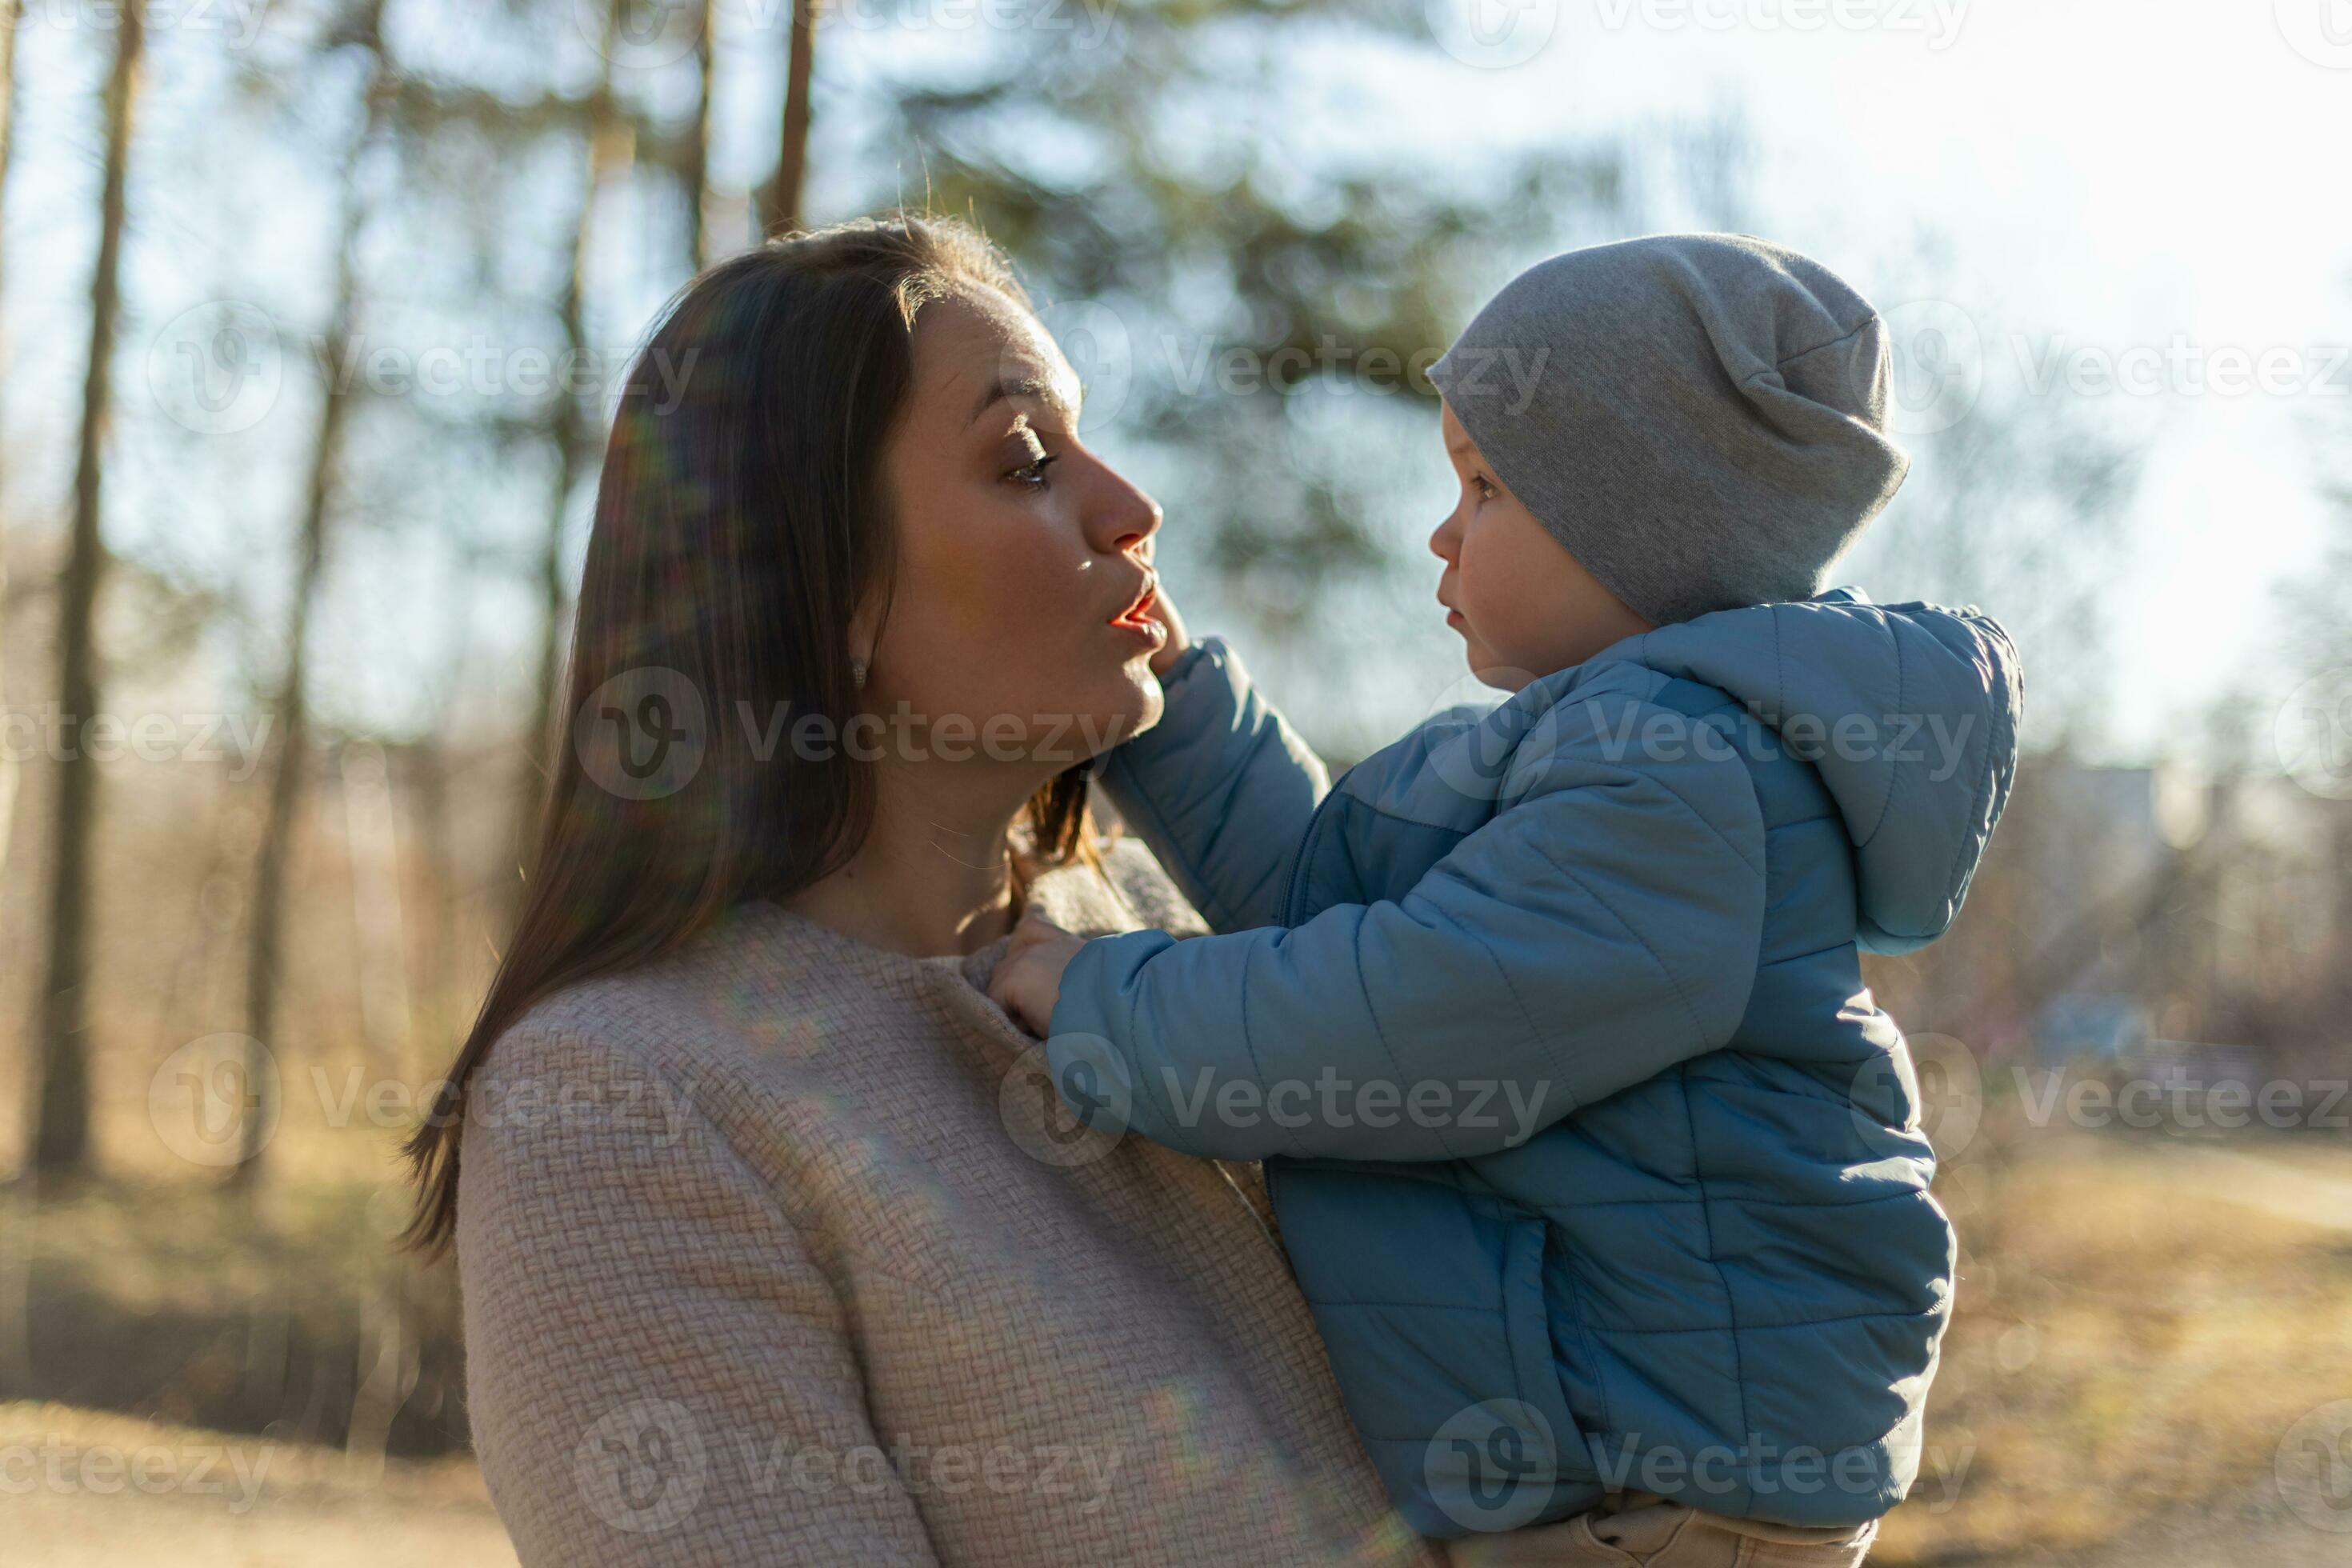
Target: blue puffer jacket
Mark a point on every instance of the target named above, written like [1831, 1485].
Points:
[1594, 1158]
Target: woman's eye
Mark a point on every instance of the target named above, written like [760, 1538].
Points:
[1033, 473]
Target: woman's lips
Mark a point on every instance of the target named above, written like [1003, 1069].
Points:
[1141, 607]
[1133, 619]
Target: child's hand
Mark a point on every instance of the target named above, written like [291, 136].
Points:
[1028, 978]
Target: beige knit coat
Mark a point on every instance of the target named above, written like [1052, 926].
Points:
[782, 1250]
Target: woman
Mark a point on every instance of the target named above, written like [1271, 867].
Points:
[774, 1244]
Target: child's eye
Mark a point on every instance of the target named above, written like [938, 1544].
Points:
[1487, 490]
[1033, 473]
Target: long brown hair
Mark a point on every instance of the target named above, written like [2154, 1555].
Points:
[739, 525]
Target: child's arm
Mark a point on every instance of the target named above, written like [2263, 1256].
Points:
[1601, 928]
[1221, 788]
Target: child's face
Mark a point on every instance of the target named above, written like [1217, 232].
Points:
[1524, 606]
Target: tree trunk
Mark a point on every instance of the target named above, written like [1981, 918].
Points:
[568, 430]
[12, 22]
[265, 953]
[61, 1132]
[694, 156]
[16, 1207]
[429, 793]
[780, 199]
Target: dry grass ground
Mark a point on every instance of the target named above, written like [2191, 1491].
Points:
[2140, 1324]
[110, 1491]
[289, 1316]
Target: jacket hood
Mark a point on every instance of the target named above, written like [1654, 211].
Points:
[1907, 711]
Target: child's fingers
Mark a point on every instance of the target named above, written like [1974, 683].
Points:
[1004, 985]
[1012, 997]
[1033, 927]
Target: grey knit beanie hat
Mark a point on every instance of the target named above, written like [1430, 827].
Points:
[1701, 418]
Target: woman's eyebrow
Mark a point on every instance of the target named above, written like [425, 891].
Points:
[1043, 388]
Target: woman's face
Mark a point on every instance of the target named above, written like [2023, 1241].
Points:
[1018, 552]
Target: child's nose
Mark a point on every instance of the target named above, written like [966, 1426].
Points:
[1441, 539]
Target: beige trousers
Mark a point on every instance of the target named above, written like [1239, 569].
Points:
[1642, 1530]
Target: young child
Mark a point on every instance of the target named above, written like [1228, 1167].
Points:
[1593, 1157]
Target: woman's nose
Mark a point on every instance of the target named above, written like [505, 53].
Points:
[1126, 515]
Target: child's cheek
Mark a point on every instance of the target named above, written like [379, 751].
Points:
[1493, 597]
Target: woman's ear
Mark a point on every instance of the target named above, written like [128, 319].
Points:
[865, 633]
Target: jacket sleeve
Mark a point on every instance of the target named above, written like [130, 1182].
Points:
[1602, 927]
[1221, 789]
[650, 1347]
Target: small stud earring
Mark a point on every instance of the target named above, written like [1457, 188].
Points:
[858, 672]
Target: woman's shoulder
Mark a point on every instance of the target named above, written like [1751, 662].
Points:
[702, 1008]
[665, 1072]
[754, 1000]
[594, 1056]
[632, 1014]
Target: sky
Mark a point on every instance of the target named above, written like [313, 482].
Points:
[2064, 186]
[2127, 206]
[2107, 177]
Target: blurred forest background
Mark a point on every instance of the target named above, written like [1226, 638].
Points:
[315, 314]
